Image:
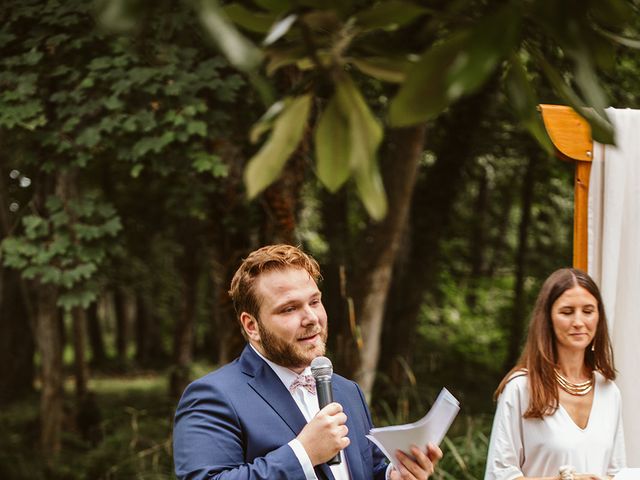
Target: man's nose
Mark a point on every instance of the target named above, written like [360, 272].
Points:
[309, 315]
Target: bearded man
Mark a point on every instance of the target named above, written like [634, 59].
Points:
[258, 417]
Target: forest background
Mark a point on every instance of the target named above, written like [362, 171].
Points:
[403, 150]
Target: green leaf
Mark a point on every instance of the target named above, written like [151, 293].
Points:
[210, 163]
[390, 14]
[238, 49]
[601, 129]
[249, 20]
[524, 103]
[197, 127]
[625, 41]
[332, 144]
[288, 128]
[458, 66]
[279, 29]
[371, 191]
[385, 69]
[275, 6]
[265, 123]
[423, 95]
[365, 134]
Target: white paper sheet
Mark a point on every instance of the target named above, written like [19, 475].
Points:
[628, 474]
[429, 429]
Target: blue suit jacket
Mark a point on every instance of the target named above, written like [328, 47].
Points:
[235, 423]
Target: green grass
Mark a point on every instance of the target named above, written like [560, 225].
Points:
[135, 436]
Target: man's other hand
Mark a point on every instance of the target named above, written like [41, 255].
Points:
[420, 467]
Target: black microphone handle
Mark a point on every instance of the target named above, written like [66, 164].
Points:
[325, 397]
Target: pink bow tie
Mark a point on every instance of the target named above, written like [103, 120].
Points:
[305, 381]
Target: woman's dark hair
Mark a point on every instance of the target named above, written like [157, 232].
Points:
[540, 355]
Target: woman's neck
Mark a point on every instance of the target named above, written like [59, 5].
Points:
[571, 365]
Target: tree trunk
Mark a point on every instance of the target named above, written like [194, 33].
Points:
[431, 212]
[478, 236]
[141, 322]
[81, 369]
[516, 327]
[96, 339]
[122, 330]
[16, 340]
[48, 337]
[402, 154]
[343, 336]
[17, 322]
[185, 326]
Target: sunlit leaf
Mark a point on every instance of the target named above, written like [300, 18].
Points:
[371, 191]
[238, 50]
[265, 123]
[524, 102]
[332, 144]
[288, 128]
[385, 69]
[365, 137]
[626, 41]
[282, 57]
[279, 29]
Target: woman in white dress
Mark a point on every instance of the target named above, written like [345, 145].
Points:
[559, 414]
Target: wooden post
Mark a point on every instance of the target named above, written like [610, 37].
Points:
[571, 136]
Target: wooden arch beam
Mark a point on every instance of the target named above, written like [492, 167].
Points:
[571, 137]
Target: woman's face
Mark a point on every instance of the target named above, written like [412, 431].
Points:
[575, 318]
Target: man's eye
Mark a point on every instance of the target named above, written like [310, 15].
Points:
[288, 309]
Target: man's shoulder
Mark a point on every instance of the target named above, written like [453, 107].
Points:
[228, 373]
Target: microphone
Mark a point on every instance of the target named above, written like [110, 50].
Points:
[321, 370]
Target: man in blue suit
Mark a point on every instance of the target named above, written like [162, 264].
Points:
[257, 417]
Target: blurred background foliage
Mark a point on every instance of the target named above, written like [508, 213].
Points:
[400, 146]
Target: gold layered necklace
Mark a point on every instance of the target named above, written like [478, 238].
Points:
[577, 389]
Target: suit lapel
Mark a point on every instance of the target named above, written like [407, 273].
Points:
[267, 384]
[352, 452]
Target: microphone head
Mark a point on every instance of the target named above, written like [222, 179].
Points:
[321, 367]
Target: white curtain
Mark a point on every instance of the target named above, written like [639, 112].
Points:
[614, 258]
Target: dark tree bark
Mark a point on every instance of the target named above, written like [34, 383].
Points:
[96, 339]
[81, 368]
[17, 323]
[518, 316]
[50, 347]
[16, 340]
[183, 341]
[343, 333]
[122, 330]
[380, 244]
[431, 212]
[478, 240]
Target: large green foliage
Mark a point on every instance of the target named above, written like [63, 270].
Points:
[437, 55]
[65, 247]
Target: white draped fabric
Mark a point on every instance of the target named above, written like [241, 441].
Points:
[614, 258]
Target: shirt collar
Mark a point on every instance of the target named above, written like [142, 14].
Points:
[286, 375]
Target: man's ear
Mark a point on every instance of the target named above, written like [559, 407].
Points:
[250, 325]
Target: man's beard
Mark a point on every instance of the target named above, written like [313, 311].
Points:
[292, 355]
